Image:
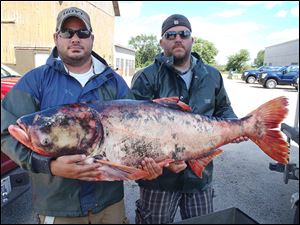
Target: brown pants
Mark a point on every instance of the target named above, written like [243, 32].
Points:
[114, 214]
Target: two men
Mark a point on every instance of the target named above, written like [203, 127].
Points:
[65, 191]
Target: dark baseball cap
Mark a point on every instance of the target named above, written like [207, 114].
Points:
[173, 21]
[73, 12]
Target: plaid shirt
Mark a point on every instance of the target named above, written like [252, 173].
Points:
[156, 207]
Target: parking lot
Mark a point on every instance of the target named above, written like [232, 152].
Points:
[242, 178]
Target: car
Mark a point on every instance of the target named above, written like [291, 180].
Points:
[250, 76]
[284, 76]
[14, 180]
[9, 78]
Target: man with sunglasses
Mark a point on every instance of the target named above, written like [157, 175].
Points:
[65, 190]
[178, 72]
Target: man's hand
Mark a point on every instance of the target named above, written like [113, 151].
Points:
[75, 167]
[240, 139]
[154, 169]
[177, 166]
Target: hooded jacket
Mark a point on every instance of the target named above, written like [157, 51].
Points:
[206, 96]
[47, 86]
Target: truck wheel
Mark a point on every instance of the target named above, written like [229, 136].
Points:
[250, 80]
[271, 83]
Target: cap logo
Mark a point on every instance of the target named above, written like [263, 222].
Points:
[176, 22]
[72, 11]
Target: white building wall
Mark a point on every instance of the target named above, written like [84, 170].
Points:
[124, 66]
[282, 54]
[124, 61]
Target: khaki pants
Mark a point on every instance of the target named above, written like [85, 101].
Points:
[114, 214]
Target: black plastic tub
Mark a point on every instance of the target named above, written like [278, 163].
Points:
[227, 216]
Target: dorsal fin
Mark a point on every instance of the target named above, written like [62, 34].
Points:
[172, 102]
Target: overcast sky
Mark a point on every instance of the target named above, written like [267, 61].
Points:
[229, 25]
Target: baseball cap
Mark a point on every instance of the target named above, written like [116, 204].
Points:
[173, 21]
[70, 12]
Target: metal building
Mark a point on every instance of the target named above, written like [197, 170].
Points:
[282, 54]
[124, 60]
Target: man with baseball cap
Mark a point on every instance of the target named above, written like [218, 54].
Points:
[66, 189]
[178, 72]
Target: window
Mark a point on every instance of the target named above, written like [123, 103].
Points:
[117, 63]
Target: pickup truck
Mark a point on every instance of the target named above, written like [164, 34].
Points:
[285, 76]
[14, 180]
[250, 76]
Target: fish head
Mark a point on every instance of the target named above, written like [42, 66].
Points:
[66, 130]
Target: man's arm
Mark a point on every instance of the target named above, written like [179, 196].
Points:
[16, 104]
[142, 85]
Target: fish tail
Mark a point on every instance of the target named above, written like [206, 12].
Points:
[263, 120]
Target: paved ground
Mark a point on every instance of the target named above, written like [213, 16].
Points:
[241, 176]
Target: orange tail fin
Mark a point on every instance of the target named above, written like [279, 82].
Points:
[267, 117]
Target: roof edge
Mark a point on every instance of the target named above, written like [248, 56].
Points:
[116, 8]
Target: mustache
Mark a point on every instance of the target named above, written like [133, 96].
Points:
[178, 44]
[75, 46]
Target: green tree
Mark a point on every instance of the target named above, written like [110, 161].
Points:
[238, 61]
[147, 47]
[259, 60]
[205, 49]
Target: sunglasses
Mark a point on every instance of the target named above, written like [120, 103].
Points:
[171, 35]
[69, 33]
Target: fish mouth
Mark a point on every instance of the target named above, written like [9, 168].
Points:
[21, 133]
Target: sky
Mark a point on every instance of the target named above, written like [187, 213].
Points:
[229, 25]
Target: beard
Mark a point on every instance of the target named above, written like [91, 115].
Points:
[180, 58]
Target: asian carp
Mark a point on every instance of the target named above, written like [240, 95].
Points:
[119, 134]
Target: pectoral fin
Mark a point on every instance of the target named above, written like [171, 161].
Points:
[198, 165]
[114, 171]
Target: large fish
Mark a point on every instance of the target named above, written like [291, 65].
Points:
[119, 134]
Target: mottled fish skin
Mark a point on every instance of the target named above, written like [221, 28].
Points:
[126, 131]
[149, 130]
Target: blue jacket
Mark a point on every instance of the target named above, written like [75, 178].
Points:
[46, 86]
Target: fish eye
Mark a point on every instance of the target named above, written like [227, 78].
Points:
[45, 141]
